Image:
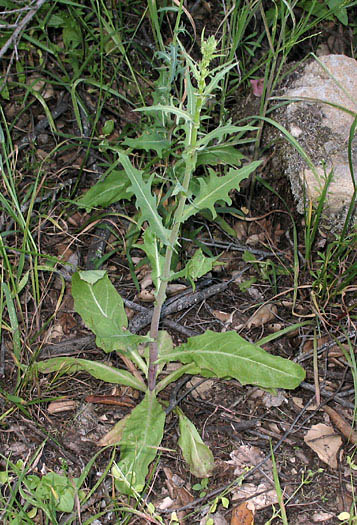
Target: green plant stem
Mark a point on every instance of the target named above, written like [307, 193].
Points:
[191, 157]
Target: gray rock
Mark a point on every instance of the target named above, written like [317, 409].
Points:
[322, 131]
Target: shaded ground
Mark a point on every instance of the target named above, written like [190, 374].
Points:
[228, 415]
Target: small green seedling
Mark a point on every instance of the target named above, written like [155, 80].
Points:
[201, 487]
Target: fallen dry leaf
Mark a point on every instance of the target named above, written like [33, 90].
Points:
[247, 456]
[309, 344]
[270, 400]
[202, 390]
[300, 403]
[263, 315]
[175, 288]
[146, 280]
[223, 316]
[243, 514]
[320, 517]
[240, 227]
[67, 322]
[178, 491]
[255, 239]
[146, 297]
[61, 406]
[261, 496]
[39, 85]
[129, 313]
[342, 425]
[111, 400]
[325, 442]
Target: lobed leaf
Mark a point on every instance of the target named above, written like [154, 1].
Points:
[217, 189]
[168, 110]
[141, 437]
[196, 267]
[220, 154]
[222, 131]
[228, 355]
[146, 202]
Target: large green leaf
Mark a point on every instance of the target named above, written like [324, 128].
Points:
[196, 454]
[217, 189]
[102, 310]
[140, 440]
[96, 369]
[113, 189]
[146, 202]
[229, 355]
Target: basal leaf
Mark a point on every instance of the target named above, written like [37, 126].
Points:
[102, 309]
[140, 440]
[196, 454]
[113, 189]
[216, 188]
[115, 434]
[92, 276]
[146, 202]
[229, 355]
[149, 140]
[96, 369]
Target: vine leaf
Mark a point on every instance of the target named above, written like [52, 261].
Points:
[217, 189]
[146, 202]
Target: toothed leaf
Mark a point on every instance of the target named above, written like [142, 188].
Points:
[146, 202]
[216, 188]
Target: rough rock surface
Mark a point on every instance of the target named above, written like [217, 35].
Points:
[322, 131]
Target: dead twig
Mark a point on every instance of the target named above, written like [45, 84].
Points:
[21, 26]
[187, 300]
